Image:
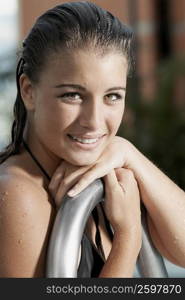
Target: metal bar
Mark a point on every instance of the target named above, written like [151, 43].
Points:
[66, 236]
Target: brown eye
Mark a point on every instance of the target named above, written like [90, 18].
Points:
[70, 97]
[114, 97]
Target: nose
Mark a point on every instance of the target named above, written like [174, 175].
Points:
[92, 115]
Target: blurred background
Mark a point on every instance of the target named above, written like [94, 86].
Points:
[155, 102]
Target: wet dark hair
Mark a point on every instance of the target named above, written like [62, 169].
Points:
[72, 25]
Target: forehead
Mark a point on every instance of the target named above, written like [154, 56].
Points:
[85, 66]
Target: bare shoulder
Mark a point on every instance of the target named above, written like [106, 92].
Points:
[15, 184]
[21, 192]
[26, 216]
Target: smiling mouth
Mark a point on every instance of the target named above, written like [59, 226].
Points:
[85, 140]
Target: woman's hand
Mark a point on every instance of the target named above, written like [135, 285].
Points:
[64, 177]
[122, 203]
[68, 176]
[114, 156]
[122, 207]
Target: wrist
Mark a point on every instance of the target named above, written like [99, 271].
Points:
[128, 150]
[132, 237]
[132, 155]
[127, 244]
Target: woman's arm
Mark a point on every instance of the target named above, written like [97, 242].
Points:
[165, 203]
[121, 261]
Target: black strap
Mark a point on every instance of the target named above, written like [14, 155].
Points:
[36, 161]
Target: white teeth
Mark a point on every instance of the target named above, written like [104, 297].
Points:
[84, 141]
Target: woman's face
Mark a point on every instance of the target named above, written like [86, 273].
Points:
[79, 104]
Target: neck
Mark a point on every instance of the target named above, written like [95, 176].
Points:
[48, 160]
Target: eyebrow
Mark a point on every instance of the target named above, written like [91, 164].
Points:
[79, 87]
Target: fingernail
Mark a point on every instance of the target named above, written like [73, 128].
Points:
[72, 193]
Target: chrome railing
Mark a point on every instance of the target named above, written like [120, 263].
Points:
[66, 236]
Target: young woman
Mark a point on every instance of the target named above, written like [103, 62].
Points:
[71, 84]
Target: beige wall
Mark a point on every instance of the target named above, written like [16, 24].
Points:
[30, 10]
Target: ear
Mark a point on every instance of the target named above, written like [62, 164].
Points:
[27, 92]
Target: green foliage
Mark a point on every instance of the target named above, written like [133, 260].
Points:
[158, 129]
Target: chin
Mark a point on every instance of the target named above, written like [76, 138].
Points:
[82, 161]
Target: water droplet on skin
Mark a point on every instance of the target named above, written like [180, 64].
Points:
[3, 196]
[2, 199]
[176, 239]
[24, 215]
[4, 193]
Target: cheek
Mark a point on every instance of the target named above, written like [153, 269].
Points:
[115, 118]
[53, 119]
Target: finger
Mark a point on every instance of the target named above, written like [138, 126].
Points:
[112, 184]
[85, 180]
[58, 172]
[63, 188]
[62, 171]
[127, 181]
[75, 174]
[64, 183]
[122, 186]
[71, 180]
[125, 176]
[68, 182]
[97, 171]
[110, 179]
